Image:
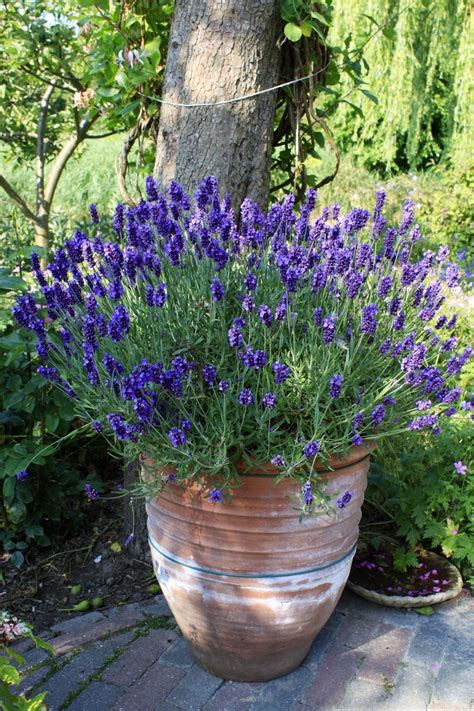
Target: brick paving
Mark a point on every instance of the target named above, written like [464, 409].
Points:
[367, 658]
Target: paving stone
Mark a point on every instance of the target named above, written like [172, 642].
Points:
[428, 644]
[455, 682]
[284, 693]
[96, 697]
[384, 653]
[78, 622]
[71, 676]
[32, 658]
[413, 688]
[445, 706]
[336, 669]
[363, 694]
[356, 631]
[233, 696]
[140, 654]
[179, 655]
[322, 642]
[29, 681]
[158, 609]
[113, 622]
[195, 689]
[150, 691]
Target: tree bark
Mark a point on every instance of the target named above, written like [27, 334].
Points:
[218, 50]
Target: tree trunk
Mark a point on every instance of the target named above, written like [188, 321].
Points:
[218, 50]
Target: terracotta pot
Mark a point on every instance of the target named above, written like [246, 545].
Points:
[249, 584]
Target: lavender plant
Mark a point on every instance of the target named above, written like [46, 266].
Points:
[194, 340]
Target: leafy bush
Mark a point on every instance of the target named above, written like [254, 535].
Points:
[413, 482]
[34, 416]
[10, 630]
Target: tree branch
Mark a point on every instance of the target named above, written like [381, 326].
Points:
[64, 154]
[17, 199]
[40, 208]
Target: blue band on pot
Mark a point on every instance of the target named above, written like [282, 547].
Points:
[305, 571]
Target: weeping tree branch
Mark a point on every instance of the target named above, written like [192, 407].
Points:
[121, 162]
[17, 199]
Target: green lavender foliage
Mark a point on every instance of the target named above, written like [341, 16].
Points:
[421, 72]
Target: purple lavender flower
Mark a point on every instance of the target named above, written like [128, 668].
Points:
[259, 359]
[377, 415]
[385, 347]
[151, 189]
[307, 493]
[423, 405]
[399, 321]
[369, 319]
[311, 449]
[91, 493]
[385, 285]
[459, 467]
[357, 439]
[129, 539]
[210, 375]
[97, 426]
[335, 385]
[452, 275]
[329, 329]
[22, 475]
[246, 397]
[278, 461]
[215, 496]
[344, 500]
[247, 304]
[94, 214]
[281, 372]
[177, 437]
[250, 282]
[269, 400]
[358, 420]
[217, 289]
[235, 337]
[223, 385]
[318, 316]
[265, 314]
[420, 423]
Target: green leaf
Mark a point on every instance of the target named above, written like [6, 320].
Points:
[52, 422]
[389, 33]
[12, 283]
[425, 610]
[319, 17]
[292, 32]
[306, 29]
[370, 96]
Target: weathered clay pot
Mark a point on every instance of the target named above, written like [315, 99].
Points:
[248, 583]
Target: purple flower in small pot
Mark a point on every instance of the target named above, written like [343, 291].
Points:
[91, 493]
[215, 496]
[307, 493]
[246, 397]
[177, 437]
[460, 468]
[269, 400]
[335, 385]
[281, 372]
[217, 289]
[311, 449]
[345, 499]
[278, 461]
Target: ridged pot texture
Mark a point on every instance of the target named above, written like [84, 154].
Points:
[249, 584]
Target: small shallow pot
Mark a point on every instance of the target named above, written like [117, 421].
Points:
[406, 601]
[249, 584]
